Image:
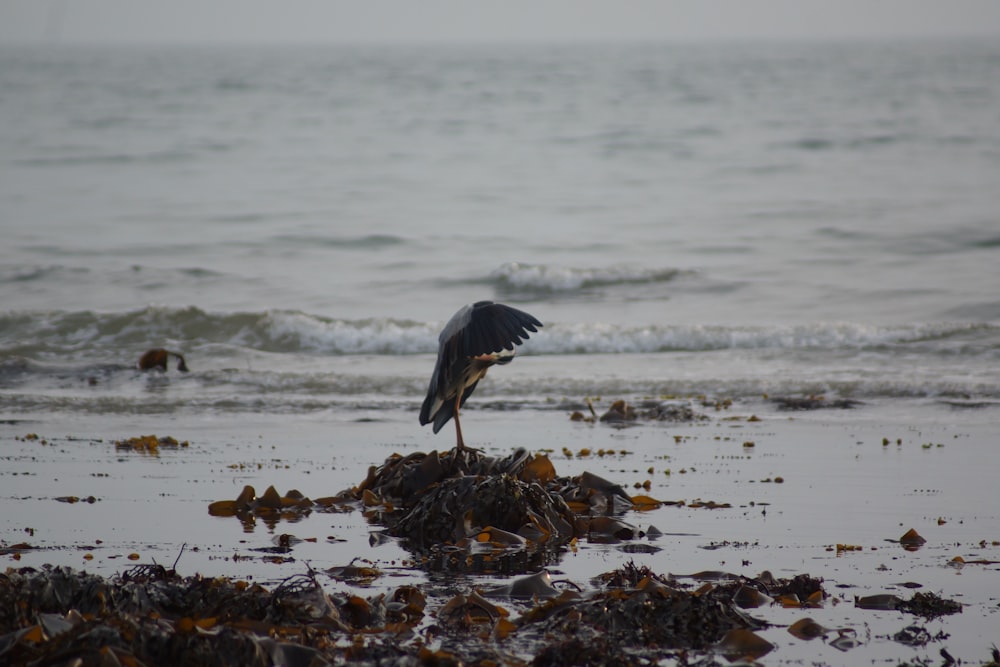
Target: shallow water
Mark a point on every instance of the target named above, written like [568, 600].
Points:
[841, 485]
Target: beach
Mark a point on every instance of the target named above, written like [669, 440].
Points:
[826, 492]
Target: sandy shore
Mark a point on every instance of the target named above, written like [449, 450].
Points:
[792, 485]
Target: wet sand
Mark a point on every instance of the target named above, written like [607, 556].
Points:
[790, 487]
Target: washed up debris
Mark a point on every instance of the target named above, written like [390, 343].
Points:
[927, 605]
[801, 590]
[270, 507]
[468, 511]
[361, 575]
[619, 412]
[639, 608]
[534, 586]
[622, 413]
[15, 550]
[748, 596]
[248, 500]
[76, 499]
[708, 504]
[463, 507]
[916, 635]
[449, 506]
[882, 601]
[747, 593]
[959, 562]
[741, 643]
[813, 402]
[471, 613]
[150, 444]
[672, 412]
[629, 575]
[157, 359]
[457, 504]
[807, 629]
[400, 477]
[765, 589]
[151, 615]
[912, 540]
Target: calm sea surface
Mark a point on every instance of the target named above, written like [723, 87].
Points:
[735, 220]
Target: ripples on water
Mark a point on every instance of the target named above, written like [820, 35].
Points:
[704, 218]
[290, 361]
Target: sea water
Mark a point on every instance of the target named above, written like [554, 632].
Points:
[299, 222]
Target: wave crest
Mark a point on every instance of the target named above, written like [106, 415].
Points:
[110, 335]
[95, 335]
[542, 278]
[603, 338]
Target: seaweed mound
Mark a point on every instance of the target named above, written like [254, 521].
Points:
[465, 500]
[508, 514]
[150, 615]
[653, 615]
[462, 506]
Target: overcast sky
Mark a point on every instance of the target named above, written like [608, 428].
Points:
[340, 21]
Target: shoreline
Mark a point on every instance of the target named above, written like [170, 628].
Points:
[841, 483]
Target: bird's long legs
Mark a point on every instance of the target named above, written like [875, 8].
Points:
[460, 445]
[458, 426]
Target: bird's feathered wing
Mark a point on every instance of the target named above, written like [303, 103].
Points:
[477, 329]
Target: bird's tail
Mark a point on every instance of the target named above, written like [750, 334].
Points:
[443, 415]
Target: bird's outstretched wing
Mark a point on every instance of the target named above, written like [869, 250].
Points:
[493, 327]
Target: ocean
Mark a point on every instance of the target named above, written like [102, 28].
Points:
[739, 221]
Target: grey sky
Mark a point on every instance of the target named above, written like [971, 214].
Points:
[339, 21]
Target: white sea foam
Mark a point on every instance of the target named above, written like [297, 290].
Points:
[548, 278]
[308, 333]
[87, 334]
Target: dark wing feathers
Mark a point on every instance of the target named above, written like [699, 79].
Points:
[493, 327]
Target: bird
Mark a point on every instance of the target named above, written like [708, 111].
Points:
[478, 336]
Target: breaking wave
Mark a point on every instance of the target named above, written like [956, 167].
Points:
[541, 278]
[285, 361]
[94, 335]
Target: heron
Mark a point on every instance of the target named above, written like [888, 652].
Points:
[478, 336]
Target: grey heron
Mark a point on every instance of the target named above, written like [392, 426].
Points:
[478, 336]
